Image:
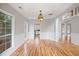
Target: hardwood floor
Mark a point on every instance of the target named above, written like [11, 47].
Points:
[46, 48]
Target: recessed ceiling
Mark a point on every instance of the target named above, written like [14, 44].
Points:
[49, 10]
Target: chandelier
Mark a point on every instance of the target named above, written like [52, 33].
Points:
[40, 16]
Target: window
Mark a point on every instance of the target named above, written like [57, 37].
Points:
[5, 31]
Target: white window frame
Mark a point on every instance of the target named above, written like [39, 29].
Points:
[13, 27]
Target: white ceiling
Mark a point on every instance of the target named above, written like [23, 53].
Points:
[31, 10]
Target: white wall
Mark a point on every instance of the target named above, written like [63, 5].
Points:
[47, 35]
[75, 30]
[75, 38]
[46, 30]
[19, 37]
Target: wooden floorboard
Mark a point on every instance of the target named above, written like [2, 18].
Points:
[46, 48]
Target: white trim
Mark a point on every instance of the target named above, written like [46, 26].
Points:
[5, 35]
[13, 30]
[13, 25]
[25, 29]
[6, 12]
